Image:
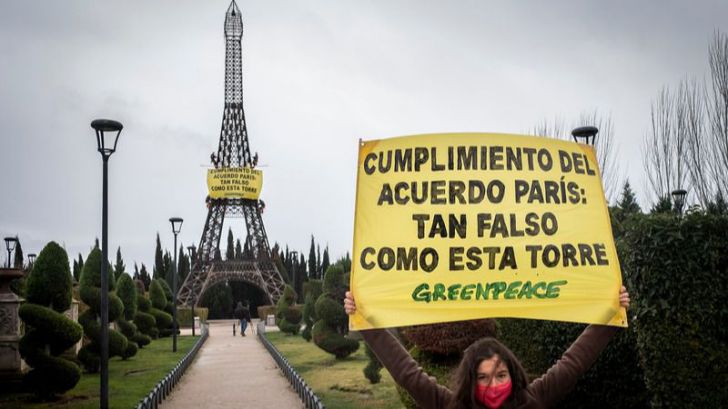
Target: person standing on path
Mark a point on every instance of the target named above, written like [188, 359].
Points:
[243, 314]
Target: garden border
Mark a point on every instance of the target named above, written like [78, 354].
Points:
[308, 397]
[164, 387]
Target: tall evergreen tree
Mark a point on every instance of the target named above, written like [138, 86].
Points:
[325, 263]
[119, 267]
[77, 273]
[230, 252]
[318, 261]
[628, 203]
[136, 272]
[18, 261]
[158, 270]
[168, 267]
[312, 272]
[238, 250]
[144, 277]
[183, 267]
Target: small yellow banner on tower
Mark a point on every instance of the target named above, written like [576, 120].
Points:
[234, 183]
[452, 227]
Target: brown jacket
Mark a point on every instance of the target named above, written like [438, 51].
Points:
[543, 392]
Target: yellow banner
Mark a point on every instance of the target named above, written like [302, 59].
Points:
[452, 227]
[234, 183]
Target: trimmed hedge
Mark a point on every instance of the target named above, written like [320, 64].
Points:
[48, 332]
[184, 315]
[159, 306]
[127, 292]
[677, 275]
[145, 322]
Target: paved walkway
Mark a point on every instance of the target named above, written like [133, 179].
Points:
[232, 372]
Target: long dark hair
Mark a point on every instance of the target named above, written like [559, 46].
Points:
[466, 375]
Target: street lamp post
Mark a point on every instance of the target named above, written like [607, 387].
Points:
[585, 134]
[107, 135]
[176, 227]
[190, 249]
[678, 196]
[10, 243]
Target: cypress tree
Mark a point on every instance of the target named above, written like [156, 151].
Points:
[168, 268]
[183, 265]
[144, 277]
[238, 250]
[18, 261]
[318, 261]
[325, 262]
[230, 252]
[158, 270]
[312, 260]
[119, 267]
[77, 273]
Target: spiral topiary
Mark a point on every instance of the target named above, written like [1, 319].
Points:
[312, 290]
[328, 332]
[90, 320]
[373, 369]
[288, 319]
[126, 290]
[48, 333]
[169, 308]
[144, 320]
[159, 303]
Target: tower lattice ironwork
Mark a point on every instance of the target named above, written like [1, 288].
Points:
[256, 266]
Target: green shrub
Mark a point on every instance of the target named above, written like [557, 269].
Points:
[90, 292]
[309, 317]
[184, 315]
[145, 322]
[127, 292]
[677, 269]
[288, 318]
[328, 333]
[373, 368]
[265, 310]
[48, 333]
[159, 307]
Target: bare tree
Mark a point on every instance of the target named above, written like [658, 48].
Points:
[604, 144]
[691, 117]
[717, 104]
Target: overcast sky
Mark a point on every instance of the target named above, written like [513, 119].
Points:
[317, 77]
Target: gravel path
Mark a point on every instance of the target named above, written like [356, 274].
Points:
[232, 372]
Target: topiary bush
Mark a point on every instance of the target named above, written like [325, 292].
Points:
[333, 323]
[373, 369]
[159, 304]
[288, 319]
[677, 269]
[90, 320]
[144, 320]
[49, 333]
[312, 290]
[127, 291]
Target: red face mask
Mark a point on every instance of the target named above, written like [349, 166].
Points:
[493, 396]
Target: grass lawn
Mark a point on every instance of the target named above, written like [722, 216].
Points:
[129, 380]
[339, 383]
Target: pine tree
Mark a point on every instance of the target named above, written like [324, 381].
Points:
[230, 252]
[158, 270]
[18, 261]
[119, 267]
[628, 203]
[168, 268]
[312, 260]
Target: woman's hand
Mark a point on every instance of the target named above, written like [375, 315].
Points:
[623, 298]
[350, 305]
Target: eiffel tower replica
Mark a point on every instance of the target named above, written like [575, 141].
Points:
[256, 266]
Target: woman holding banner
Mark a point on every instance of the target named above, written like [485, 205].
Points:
[489, 375]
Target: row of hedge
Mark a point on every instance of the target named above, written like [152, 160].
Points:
[675, 352]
